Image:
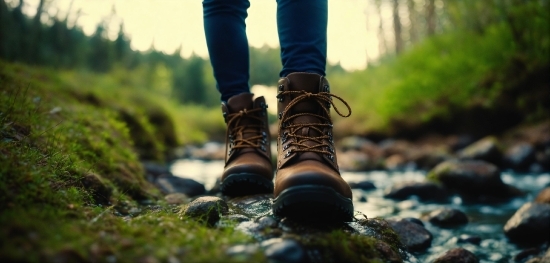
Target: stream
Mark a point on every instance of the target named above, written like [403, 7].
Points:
[485, 220]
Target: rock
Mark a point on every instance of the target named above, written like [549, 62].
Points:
[469, 239]
[414, 220]
[207, 209]
[253, 206]
[285, 250]
[448, 217]
[485, 149]
[155, 170]
[457, 255]
[424, 191]
[242, 252]
[362, 199]
[472, 179]
[176, 198]
[363, 185]
[355, 161]
[530, 224]
[353, 143]
[209, 151]
[544, 196]
[395, 162]
[237, 218]
[169, 184]
[413, 236]
[520, 156]
[267, 221]
[526, 253]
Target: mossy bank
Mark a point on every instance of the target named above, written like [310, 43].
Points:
[74, 189]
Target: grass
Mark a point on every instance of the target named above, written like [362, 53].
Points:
[72, 185]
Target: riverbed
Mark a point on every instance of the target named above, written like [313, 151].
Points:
[486, 221]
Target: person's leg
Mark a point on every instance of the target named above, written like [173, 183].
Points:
[225, 30]
[248, 168]
[308, 184]
[302, 28]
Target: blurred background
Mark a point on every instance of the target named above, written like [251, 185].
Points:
[407, 67]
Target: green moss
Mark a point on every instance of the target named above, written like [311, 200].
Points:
[71, 180]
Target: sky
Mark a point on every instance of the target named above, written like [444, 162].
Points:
[171, 23]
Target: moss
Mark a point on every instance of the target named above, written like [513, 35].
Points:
[71, 180]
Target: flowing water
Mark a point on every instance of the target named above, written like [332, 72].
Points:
[486, 220]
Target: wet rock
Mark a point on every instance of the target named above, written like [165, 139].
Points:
[353, 143]
[520, 156]
[355, 161]
[414, 220]
[267, 221]
[395, 162]
[253, 206]
[486, 149]
[544, 196]
[363, 185]
[472, 179]
[237, 218]
[176, 199]
[169, 184]
[469, 239]
[530, 224]
[389, 254]
[457, 255]
[207, 209]
[242, 252]
[413, 236]
[362, 199]
[154, 170]
[423, 190]
[447, 217]
[428, 159]
[284, 250]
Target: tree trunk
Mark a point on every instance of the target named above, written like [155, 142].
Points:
[430, 17]
[397, 27]
[382, 44]
[413, 34]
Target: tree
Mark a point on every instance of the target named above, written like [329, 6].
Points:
[397, 28]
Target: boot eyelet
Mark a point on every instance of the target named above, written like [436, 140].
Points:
[262, 148]
[281, 87]
[288, 153]
[331, 157]
[327, 88]
[281, 114]
[264, 135]
[285, 147]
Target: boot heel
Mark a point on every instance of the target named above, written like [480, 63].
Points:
[313, 203]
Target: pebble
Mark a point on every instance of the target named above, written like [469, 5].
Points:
[413, 235]
[530, 224]
[286, 250]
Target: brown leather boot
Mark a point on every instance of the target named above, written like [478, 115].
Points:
[248, 168]
[308, 185]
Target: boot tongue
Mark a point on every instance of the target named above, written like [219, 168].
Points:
[240, 102]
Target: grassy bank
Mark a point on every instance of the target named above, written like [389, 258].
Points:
[71, 181]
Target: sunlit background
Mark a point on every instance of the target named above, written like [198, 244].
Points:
[167, 25]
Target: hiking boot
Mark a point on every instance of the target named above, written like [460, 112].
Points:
[308, 185]
[248, 168]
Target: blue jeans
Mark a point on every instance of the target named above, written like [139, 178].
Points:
[302, 29]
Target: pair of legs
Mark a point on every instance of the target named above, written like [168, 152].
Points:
[308, 183]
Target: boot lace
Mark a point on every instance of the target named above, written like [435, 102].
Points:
[236, 131]
[324, 99]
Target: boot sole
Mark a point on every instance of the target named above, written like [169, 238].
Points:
[245, 184]
[313, 203]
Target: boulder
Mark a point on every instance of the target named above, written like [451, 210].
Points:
[447, 217]
[457, 255]
[530, 224]
[412, 235]
[486, 149]
[520, 156]
[424, 190]
[206, 209]
[472, 179]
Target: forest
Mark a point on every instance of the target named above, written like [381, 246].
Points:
[450, 114]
